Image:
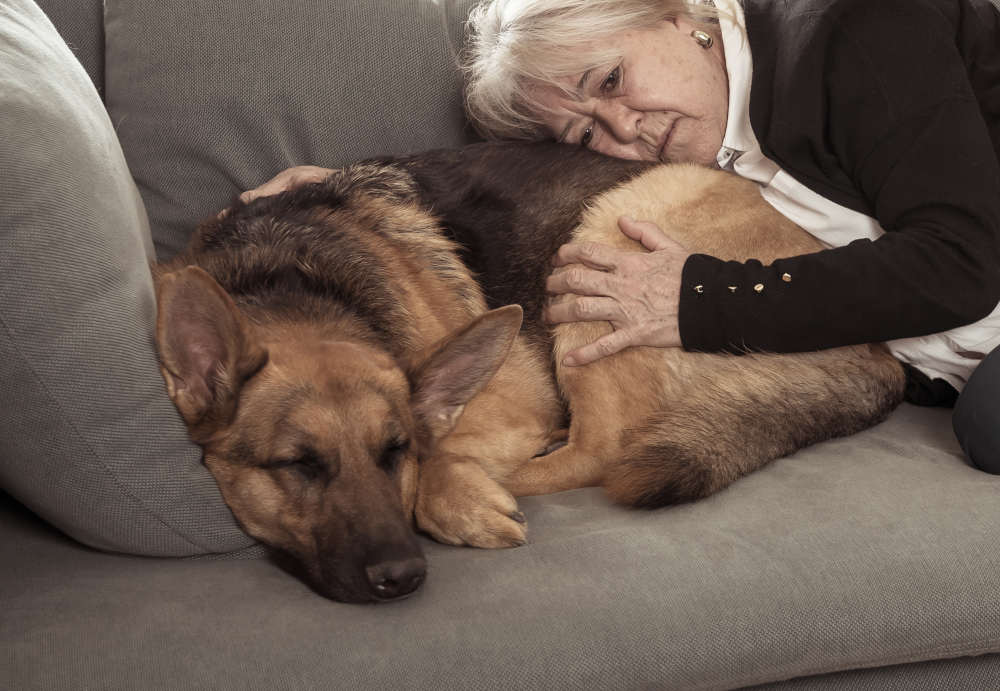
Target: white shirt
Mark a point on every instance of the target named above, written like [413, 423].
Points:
[950, 355]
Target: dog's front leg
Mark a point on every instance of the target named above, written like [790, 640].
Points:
[459, 504]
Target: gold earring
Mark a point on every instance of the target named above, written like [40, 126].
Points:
[704, 40]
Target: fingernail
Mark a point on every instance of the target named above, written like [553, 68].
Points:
[569, 361]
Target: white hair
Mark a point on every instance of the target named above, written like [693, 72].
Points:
[514, 47]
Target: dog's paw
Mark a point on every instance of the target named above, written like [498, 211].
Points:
[459, 504]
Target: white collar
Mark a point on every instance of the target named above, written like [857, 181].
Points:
[739, 136]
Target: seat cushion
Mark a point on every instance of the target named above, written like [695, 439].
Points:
[88, 438]
[864, 552]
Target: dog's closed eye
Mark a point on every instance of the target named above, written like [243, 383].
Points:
[392, 453]
[307, 465]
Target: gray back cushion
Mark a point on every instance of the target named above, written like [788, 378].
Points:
[213, 98]
[88, 438]
[81, 24]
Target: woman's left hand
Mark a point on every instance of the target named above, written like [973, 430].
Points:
[286, 180]
[638, 292]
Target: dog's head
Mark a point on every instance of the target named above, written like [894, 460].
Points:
[315, 442]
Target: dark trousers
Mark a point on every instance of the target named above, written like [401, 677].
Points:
[976, 419]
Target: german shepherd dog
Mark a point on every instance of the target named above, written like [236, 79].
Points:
[350, 354]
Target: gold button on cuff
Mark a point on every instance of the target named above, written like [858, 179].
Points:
[787, 278]
[699, 289]
[759, 288]
[732, 289]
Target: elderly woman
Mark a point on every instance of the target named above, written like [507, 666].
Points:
[875, 126]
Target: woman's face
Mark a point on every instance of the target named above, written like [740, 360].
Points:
[666, 100]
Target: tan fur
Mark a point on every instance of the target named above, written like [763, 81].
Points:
[692, 407]
[462, 499]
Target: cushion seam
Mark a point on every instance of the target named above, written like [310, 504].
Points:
[982, 646]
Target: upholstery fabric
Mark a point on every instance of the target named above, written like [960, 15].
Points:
[210, 99]
[81, 24]
[88, 438]
[960, 674]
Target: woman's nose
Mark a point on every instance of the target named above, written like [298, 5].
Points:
[620, 120]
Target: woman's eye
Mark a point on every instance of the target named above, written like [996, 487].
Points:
[611, 81]
[587, 135]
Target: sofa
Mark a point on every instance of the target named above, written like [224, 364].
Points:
[868, 562]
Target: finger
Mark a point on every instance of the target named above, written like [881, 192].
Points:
[269, 188]
[583, 309]
[286, 180]
[605, 345]
[592, 254]
[647, 233]
[580, 280]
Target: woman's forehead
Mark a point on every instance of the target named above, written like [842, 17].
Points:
[557, 110]
[560, 100]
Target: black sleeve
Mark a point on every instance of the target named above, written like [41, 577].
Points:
[905, 127]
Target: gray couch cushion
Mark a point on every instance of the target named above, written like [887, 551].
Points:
[875, 550]
[213, 98]
[81, 24]
[88, 438]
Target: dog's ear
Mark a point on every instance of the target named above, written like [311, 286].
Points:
[460, 366]
[206, 348]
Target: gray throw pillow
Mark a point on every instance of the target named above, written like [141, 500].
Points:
[88, 438]
[213, 98]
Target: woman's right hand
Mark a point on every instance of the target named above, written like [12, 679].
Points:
[286, 180]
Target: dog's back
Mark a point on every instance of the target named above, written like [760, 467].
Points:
[355, 253]
[510, 206]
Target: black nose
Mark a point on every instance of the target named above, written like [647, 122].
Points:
[396, 578]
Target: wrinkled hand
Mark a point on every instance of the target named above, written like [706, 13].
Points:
[638, 292]
[286, 180]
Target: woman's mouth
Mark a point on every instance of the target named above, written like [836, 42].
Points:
[668, 136]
